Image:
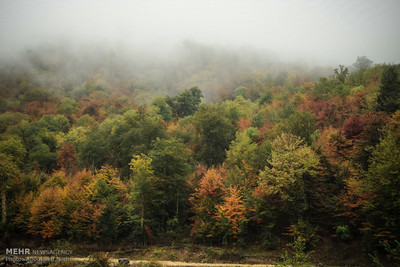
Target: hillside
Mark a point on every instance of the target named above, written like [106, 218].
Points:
[211, 147]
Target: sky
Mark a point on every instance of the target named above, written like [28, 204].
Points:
[324, 32]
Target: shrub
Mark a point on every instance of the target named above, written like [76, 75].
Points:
[304, 232]
[343, 233]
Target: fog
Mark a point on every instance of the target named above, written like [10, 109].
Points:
[316, 32]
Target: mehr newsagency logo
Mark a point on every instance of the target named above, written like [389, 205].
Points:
[35, 255]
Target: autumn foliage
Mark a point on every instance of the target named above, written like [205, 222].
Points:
[109, 160]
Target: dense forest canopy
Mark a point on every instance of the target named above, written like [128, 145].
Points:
[212, 145]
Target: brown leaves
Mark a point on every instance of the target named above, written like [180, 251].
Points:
[66, 158]
[47, 212]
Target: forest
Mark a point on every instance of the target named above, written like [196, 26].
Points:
[213, 148]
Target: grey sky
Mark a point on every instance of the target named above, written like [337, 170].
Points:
[333, 32]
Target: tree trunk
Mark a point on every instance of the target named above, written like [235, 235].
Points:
[177, 205]
[3, 206]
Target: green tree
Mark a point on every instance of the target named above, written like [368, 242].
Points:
[11, 118]
[13, 147]
[163, 109]
[341, 73]
[8, 171]
[292, 163]
[86, 121]
[241, 151]
[185, 103]
[170, 162]
[383, 185]
[92, 151]
[109, 192]
[216, 133]
[67, 107]
[143, 193]
[302, 124]
[131, 134]
[389, 95]
[42, 155]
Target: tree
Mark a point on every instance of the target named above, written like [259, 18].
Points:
[48, 212]
[301, 124]
[231, 214]
[170, 162]
[8, 171]
[163, 109]
[369, 137]
[13, 147]
[205, 200]
[383, 180]
[108, 191]
[362, 63]
[389, 95]
[341, 73]
[42, 155]
[185, 103]
[93, 150]
[241, 91]
[130, 134]
[353, 126]
[66, 158]
[292, 163]
[82, 210]
[216, 133]
[68, 106]
[241, 151]
[143, 193]
[11, 118]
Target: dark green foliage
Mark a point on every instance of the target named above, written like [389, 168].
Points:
[92, 152]
[299, 256]
[68, 106]
[216, 133]
[383, 183]
[13, 146]
[145, 200]
[36, 94]
[186, 103]
[302, 124]
[369, 137]
[324, 88]
[8, 171]
[163, 109]
[389, 95]
[118, 138]
[341, 73]
[265, 98]
[170, 162]
[9, 118]
[343, 233]
[133, 134]
[42, 155]
[286, 110]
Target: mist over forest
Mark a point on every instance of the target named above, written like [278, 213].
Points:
[218, 71]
